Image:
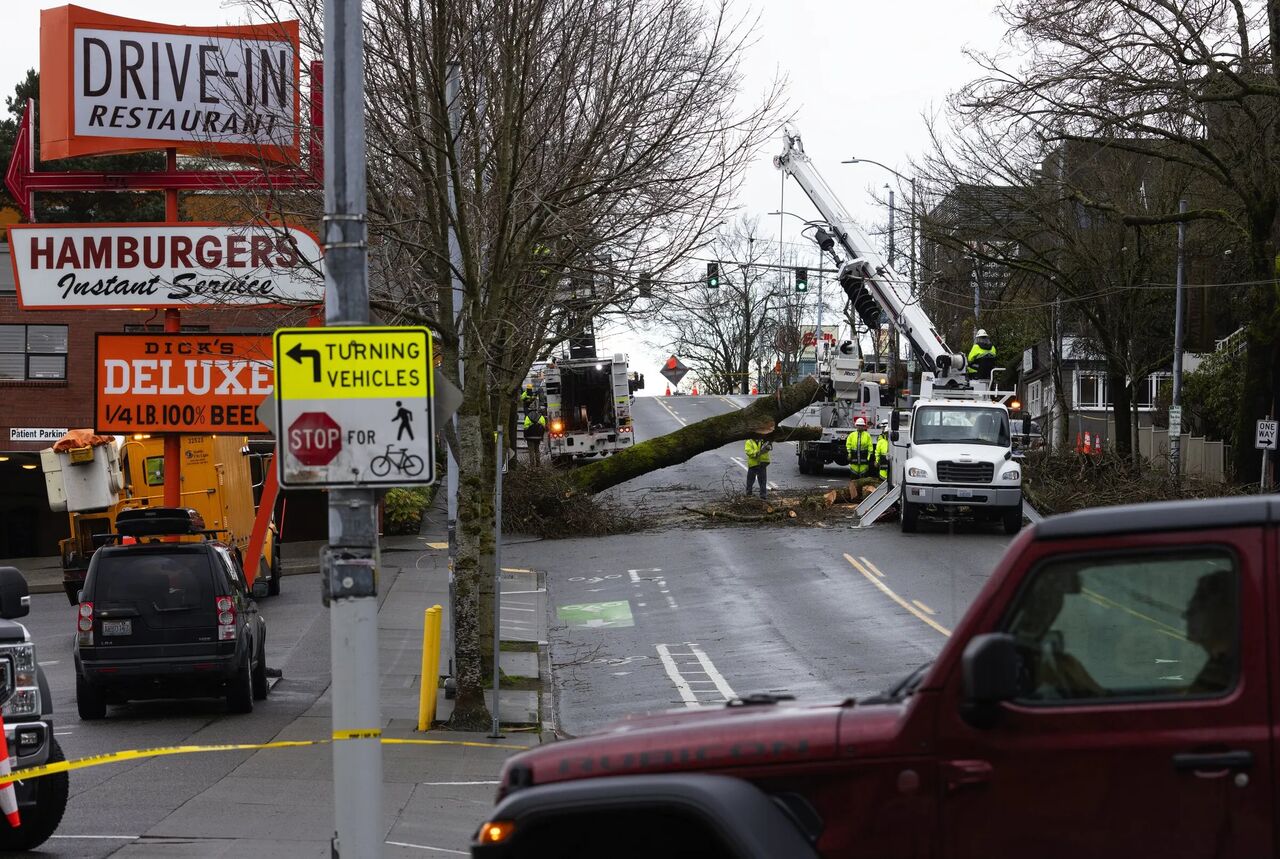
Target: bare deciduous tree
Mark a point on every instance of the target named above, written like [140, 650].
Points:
[594, 141]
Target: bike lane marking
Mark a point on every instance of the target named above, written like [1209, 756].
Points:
[721, 692]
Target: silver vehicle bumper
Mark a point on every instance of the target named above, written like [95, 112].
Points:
[968, 496]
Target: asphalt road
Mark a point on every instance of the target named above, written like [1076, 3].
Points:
[697, 615]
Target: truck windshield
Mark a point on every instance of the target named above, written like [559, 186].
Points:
[960, 425]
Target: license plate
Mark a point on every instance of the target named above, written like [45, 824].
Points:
[117, 627]
[964, 493]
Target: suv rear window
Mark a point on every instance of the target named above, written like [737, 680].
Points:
[168, 588]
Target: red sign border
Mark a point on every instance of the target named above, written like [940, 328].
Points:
[17, 283]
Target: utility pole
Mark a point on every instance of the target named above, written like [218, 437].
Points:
[353, 529]
[1175, 410]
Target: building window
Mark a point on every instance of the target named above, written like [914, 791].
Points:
[33, 352]
[1033, 398]
[1148, 391]
[1091, 390]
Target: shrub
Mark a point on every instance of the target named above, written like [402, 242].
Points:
[402, 510]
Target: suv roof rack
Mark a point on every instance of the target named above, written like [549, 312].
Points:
[155, 521]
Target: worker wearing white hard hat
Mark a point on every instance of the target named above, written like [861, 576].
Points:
[858, 449]
[982, 357]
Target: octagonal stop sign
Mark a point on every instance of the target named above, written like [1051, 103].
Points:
[314, 438]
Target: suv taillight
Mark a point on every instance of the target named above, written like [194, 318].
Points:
[84, 623]
[226, 610]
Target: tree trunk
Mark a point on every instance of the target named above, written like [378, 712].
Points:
[758, 420]
[475, 527]
[1121, 411]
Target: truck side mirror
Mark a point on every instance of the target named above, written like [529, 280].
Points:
[893, 436]
[895, 421]
[1026, 425]
[15, 600]
[990, 666]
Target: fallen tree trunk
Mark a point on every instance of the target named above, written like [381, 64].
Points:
[759, 420]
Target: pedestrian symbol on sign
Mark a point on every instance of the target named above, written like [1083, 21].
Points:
[405, 417]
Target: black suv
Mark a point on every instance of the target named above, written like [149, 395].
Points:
[164, 619]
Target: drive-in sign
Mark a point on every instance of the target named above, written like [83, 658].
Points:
[188, 383]
[112, 84]
[355, 406]
[60, 266]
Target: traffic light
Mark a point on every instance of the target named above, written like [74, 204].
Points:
[802, 280]
[713, 274]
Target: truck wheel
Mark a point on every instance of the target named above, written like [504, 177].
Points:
[909, 516]
[1012, 519]
[260, 686]
[41, 821]
[91, 702]
[804, 465]
[240, 688]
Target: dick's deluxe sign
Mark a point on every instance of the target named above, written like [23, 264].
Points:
[59, 266]
[201, 383]
[110, 84]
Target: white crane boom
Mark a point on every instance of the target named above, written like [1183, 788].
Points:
[864, 270]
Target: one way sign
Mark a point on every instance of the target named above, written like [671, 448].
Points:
[1266, 437]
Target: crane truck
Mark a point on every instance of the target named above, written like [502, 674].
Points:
[850, 388]
[94, 482]
[956, 451]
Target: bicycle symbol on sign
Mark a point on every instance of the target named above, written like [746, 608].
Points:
[401, 460]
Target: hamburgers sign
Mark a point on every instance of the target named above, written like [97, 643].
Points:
[112, 84]
[59, 266]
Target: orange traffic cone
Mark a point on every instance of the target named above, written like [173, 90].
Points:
[1088, 442]
[1079, 444]
[8, 798]
[754, 390]
[694, 393]
[1097, 445]
[668, 393]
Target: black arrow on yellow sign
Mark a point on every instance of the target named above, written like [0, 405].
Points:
[297, 353]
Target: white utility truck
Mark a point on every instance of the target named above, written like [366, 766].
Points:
[849, 390]
[957, 450]
[588, 407]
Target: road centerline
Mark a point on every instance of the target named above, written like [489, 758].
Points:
[869, 576]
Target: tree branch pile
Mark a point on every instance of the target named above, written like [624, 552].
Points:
[1062, 482]
[543, 501]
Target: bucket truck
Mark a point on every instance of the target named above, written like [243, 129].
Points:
[956, 450]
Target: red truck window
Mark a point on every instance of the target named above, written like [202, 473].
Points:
[1139, 626]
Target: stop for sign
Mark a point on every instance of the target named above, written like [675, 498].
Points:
[315, 438]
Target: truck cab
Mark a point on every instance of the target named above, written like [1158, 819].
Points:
[958, 452]
[1111, 692]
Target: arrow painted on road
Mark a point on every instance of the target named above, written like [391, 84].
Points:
[297, 353]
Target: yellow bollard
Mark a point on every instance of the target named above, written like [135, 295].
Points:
[430, 667]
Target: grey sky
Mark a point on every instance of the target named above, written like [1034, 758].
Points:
[860, 75]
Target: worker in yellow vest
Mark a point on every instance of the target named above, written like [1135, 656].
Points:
[859, 450]
[758, 464]
[882, 456]
[982, 357]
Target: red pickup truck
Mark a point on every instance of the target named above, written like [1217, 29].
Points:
[1111, 692]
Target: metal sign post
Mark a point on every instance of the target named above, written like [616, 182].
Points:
[350, 562]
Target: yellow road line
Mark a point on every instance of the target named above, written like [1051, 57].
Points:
[893, 596]
[923, 607]
[673, 414]
[1097, 597]
[437, 545]
[870, 566]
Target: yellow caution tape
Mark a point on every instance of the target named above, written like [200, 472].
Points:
[134, 754]
[358, 734]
